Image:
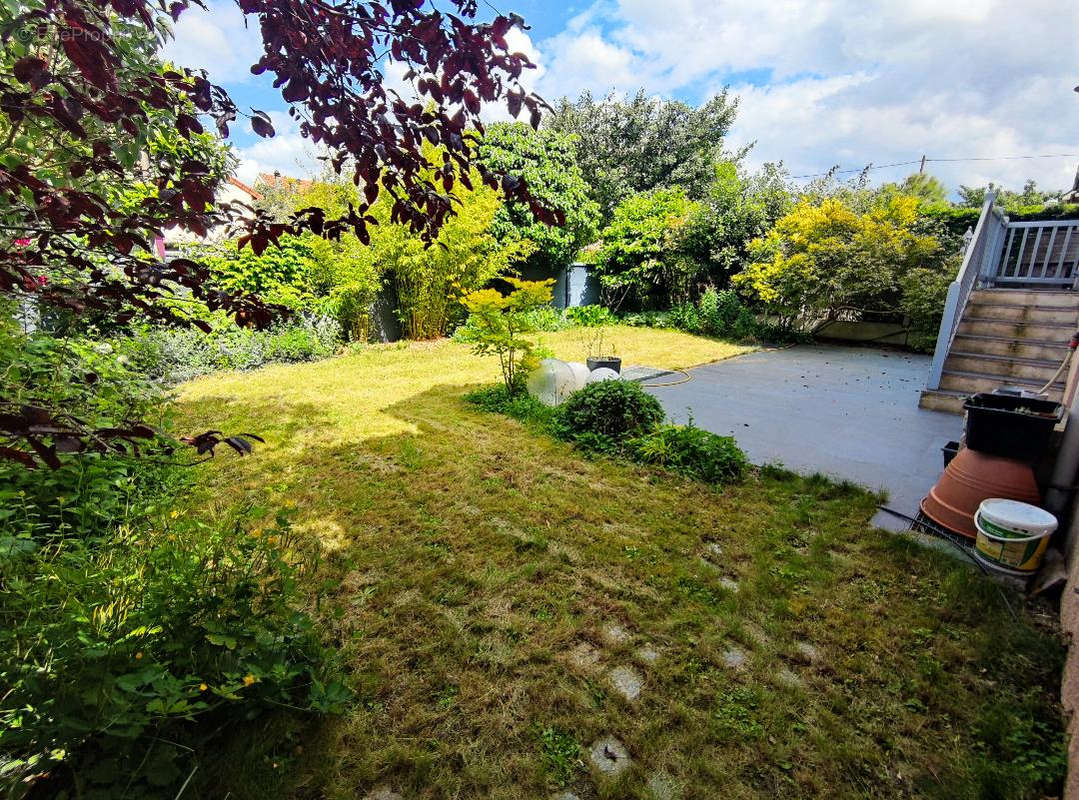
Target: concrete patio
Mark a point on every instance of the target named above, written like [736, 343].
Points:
[848, 412]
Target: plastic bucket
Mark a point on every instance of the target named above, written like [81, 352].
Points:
[1012, 536]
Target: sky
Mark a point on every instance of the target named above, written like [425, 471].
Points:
[820, 83]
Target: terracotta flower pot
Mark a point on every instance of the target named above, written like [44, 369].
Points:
[972, 477]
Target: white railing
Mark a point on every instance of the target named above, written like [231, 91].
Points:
[979, 265]
[1040, 254]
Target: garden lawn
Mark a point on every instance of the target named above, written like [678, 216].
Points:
[482, 580]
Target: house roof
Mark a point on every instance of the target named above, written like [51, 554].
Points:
[276, 179]
[245, 188]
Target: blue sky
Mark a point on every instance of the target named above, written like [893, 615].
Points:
[819, 82]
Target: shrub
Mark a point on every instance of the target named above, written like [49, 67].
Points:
[644, 259]
[590, 316]
[691, 451]
[113, 650]
[174, 355]
[499, 325]
[723, 314]
[819, 259]
[604, 414]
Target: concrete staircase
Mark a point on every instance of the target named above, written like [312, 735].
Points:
[1016, 337]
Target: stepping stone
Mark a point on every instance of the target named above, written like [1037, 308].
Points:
[807, 652]
[713, 551]
[609, 757]
[583, 656]
[626, 681]
[565, 796]
[614, 635]
[647, 654]
[729, 584]
[660, 786]
[735, 657]
[382, 793]
[787, 678]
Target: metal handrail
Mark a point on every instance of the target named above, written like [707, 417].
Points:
[980, 259]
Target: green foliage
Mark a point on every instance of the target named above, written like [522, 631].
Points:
[928, 189]
[691, 451]
[118, 612]
[115, 647]
[642, 144]
[590, 316]
[171, 355]
[560, 755]
[1030, 197]
[822, 258]
[500, 325]
[283, 274]
[519, 405]
[723, 314]
[643, 259]
[603, 415]
[924, 292]
[545, 160]
[737, 210]
[958, 220]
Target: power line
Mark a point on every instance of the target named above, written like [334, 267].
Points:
[871, 166]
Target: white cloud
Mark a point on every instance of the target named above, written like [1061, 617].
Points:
[215, 39]
[850, 82]
[287, 152]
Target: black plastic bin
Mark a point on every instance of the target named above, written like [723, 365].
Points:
[1010, 427]
[950, 451]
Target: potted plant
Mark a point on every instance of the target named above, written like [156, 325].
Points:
[601, 351]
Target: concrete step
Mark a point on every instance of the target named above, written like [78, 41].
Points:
[1026, 331]
[972, 382]
[1052, 350]
[1007, 367]
[1033, 314]
[1026, 297]
[942, 400]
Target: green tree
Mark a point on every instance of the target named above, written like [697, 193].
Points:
[928, 189]
[430, 280]
[545, 159]
[644, 257]
[819, 259]
[1031, 195]
[500, 325]
[625, 147]
[739, 209]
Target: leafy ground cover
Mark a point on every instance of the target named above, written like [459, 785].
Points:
[484, 583]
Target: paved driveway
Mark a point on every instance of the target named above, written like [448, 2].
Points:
[849, 412]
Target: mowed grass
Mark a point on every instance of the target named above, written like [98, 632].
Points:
[472, 570]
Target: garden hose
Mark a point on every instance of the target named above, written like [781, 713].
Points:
[686, 379]
[1074, 343]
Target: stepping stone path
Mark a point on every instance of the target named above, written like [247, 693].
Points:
[382, 793]
[626, 681]
[735, 658]
[565, 796]
[583, 656]
[787, 678]
[661, 787]
[729, 584]
[647, 654]
[615, 635]
[807, 652]
[609, 757]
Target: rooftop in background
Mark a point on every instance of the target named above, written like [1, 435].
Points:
[275, 180]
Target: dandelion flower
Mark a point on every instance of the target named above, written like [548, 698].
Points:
[174, 515]
[249, 679]
[257, 532]
[138, 655]
[203, 687]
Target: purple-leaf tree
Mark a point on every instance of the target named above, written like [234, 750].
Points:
[84, 96]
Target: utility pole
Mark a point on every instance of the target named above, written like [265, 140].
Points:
[921, 169]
